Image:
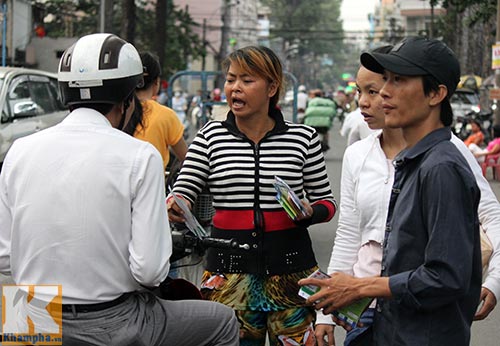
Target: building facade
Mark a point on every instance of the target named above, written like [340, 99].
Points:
[15, 30]
[395, 19]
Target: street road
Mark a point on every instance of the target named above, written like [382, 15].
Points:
[484, 333]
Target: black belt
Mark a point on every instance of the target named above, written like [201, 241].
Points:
[94, 307]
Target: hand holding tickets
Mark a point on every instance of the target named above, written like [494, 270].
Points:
[308, 290]
[191, 222]
[289, 200]
[348, 315]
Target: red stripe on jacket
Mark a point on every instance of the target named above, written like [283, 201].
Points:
[274, 221]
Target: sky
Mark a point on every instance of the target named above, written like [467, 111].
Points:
[354, 13]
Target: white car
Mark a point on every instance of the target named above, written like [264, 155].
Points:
[30, 102]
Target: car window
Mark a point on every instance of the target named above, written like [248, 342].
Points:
[31, 95]
[18, 101]
[54, 91]
[40, 94]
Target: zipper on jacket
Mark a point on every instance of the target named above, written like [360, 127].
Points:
[258, 217]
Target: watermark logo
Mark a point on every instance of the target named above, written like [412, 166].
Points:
[27, 318]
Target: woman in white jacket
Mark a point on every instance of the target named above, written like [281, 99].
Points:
[366, 183]
[367, 177]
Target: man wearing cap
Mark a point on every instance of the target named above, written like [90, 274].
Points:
[430, 282]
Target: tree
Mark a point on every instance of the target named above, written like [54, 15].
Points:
[311, 33]
[69, 18]
[163, 8]
[128, 24]
[469, 29]
[163, 29]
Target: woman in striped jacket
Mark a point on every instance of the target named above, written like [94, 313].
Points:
[238, 159]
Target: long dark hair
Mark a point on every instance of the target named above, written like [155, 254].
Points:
[152, 69]
[135, 119]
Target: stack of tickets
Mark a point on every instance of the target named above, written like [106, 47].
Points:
[288, 199]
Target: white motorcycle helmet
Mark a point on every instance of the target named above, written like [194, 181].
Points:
[99, 68]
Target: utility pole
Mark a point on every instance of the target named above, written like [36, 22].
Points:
[102, 16]
[497, 71]
[224, 37]
[432, 21]
[106, 16]
[225, 17]
[4, 33]
[204, 37]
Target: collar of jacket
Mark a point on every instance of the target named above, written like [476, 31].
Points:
[424, 145]
[280, 124]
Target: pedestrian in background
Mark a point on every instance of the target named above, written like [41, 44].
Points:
[239, 158]
[493, 147]
[477, 136]
[355, 127]
[320, 113]
[160, 125]
[301, 103]
[180, 105]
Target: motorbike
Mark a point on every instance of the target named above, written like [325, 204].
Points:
[186, 244]
[462, 127]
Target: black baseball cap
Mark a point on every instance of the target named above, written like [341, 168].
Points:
[418, 56]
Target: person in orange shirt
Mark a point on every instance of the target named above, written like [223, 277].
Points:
[477, 135]
[159, 124]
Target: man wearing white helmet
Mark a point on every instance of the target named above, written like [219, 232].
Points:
[82, 206]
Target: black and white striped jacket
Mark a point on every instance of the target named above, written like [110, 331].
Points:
[240, 176]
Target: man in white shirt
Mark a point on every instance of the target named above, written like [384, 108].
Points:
[355, 127]
[301, 103]
[82, 205]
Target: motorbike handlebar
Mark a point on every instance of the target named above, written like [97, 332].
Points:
[224, 243]
[185, 244]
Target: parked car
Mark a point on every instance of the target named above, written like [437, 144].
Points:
[30, 102]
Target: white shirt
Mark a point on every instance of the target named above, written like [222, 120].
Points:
[365, 190]
[489, 217]
[179, 105]
[302, 100]
[366, 185]
[355, 127]
[301, 105]
[83, 205]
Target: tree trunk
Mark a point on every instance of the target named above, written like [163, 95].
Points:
[108, 12]
[224, 39]
[162, 7]
[127, 30]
